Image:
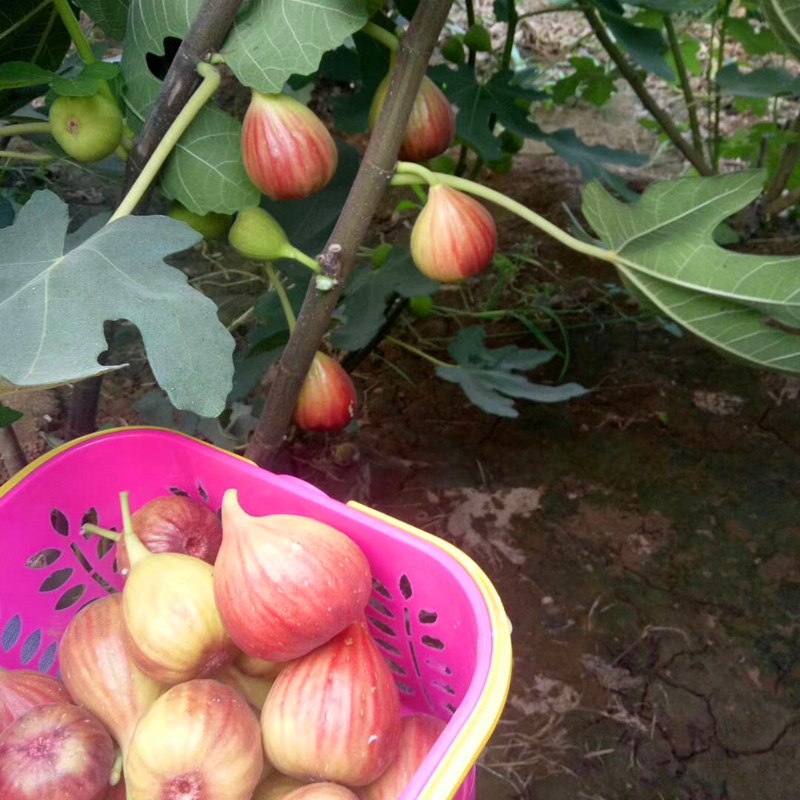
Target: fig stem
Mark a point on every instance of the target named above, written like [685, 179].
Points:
[116, 769]
[416, 351]
[24, 128]
[280, 290]
[408, 173]
[136, 550]
[89, 527]
[26, 156]
[386, 38]
[202, 95]
[82, 46]
[299, 255]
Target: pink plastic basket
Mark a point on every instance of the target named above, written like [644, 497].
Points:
[433, 612]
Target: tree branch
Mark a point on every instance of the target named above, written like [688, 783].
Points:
[648, 101]
[340, 252]
[206, 34]
[785, 168]
[686, 86]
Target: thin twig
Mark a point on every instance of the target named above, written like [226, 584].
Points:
[628, 72]
[686, 86]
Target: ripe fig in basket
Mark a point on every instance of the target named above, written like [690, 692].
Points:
[431, 126]
[54, 751]
[253, 690]
[453, 237]
[322, 791]
[257, 667]
[23, 689]
[327, 399]
[175, 632]
[276, 786]
[334, 715]
[285, 584]
[418, 735]
[98, 670]
[198, 740]
[286, 149]
[174, 524]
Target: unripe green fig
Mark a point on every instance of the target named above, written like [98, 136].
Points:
[257, 234]
[502, 165]
[211, 225]
[453, 49]
[511, 142]
[87, 128]
[420, 306]
[477, 38]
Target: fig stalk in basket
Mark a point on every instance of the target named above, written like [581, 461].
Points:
[23, 689]
[174, 524]
[198, 741]
[174, 630]
[56, 751]
[285, 584]
[99, 672]
[334, 715]
[418, 735]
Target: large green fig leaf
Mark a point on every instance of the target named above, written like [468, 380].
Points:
[272, 41]
[664, 246]
[53, 305]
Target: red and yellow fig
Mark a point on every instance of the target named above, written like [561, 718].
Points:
[321, 791]
[431, 126]
[334, 715]
[276, 786]
[286, 149]
[58, 750]
[418, 735]
[453, 237]
[99, 672]
[327, 399]
[198, 740]
[285, 584]
[175, 632]
[23, 689]
[174, 524]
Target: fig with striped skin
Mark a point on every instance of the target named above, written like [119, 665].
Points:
[431, 126]
[58, 750]
[287, 151]
[285, 584]
[99, 672]
[198, 740]
[418, 735]
[23, 689]
[174, 524]
[453, 237]
[334, 715]
[327, 399]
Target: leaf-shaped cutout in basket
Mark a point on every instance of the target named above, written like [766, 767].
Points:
[55, 580]
[44, 558]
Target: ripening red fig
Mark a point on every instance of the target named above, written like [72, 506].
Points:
[23, 689]
[285, 584]
[276, 786]
[57, 751]
[321, 791]
[454, 236]
[431, 126]
[327, 399]
[174, 524]
[286, 149]
[334, 714]
[99, 672]
[198, 741]
[418, 735]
